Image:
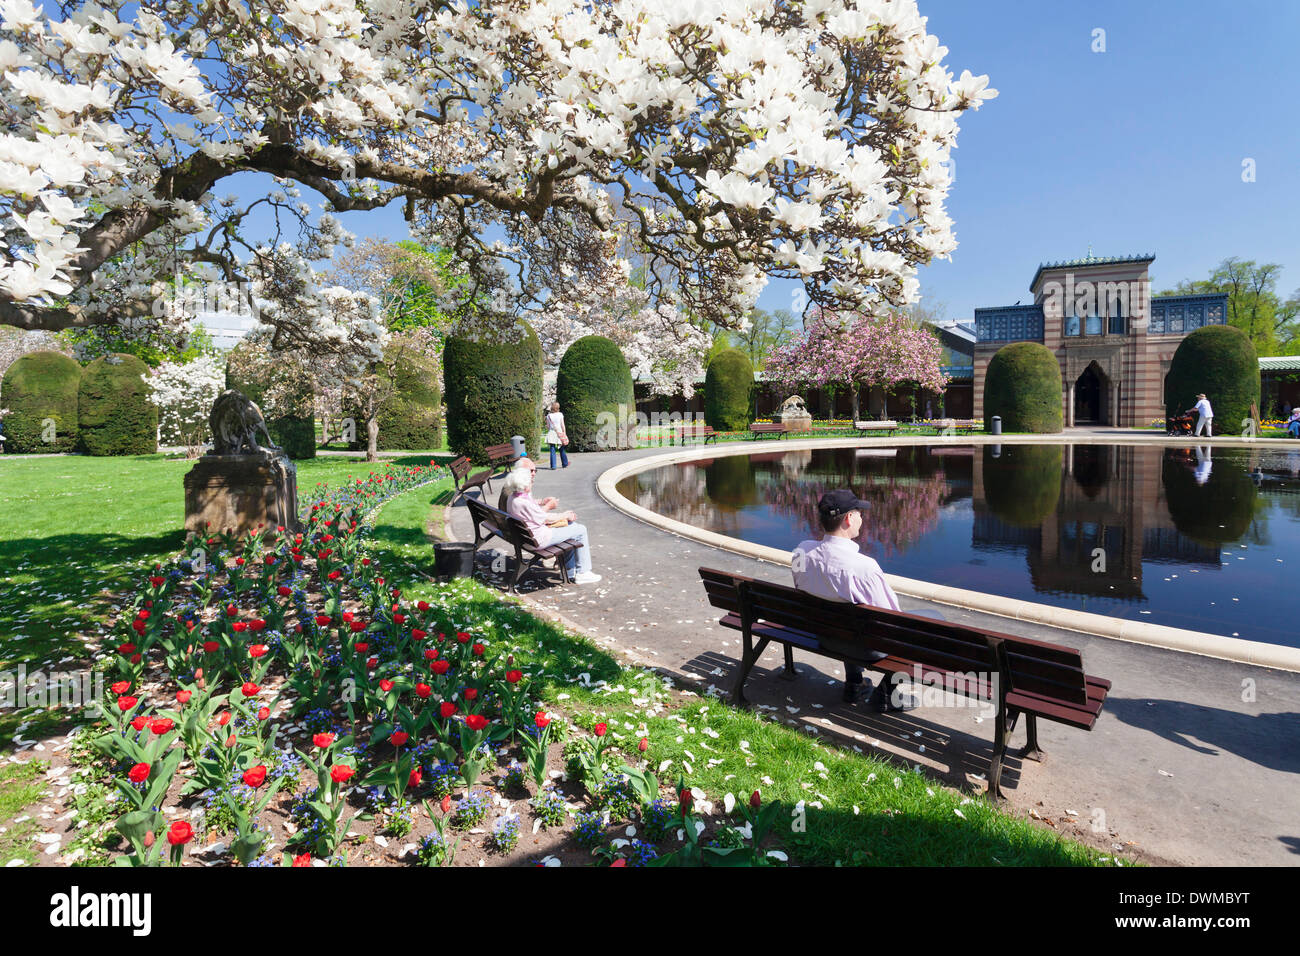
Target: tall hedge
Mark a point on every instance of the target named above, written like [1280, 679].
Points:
[114, 413]
[594, 379]
[493, 378]
[296, 434]
[1022, 483]
[40, 386]
[1220, 361]
[1023, 386]
[1215, 513]
[728, 384]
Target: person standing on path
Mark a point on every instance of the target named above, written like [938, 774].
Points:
[1205, 416]
[835, 569]
[556, 436]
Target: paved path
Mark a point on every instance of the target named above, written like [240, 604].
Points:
[1179, 768]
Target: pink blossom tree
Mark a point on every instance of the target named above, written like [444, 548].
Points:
[839, 351]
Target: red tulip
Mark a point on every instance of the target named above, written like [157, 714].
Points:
[139, 773]
[619, 862]
[258, 650]
[357, 626]
[372, 663]
[239, 627]
[685, 799]
[121, 687]
[127, 648]
[447, 708]
[476, 721]
[211, 647]
[231, 611]
[302, 859]
[264, 713]
[362, 646]
[418, 635]
[755, 800]
[180, 833]
[441, 667]
[600, 729]
[414, 779]
[126, 703]
[183, 696]
[256, 776]
[399, 737]
[140, 723]
[478, 650]
[340, 773]
[284, 591]
[644, 745]
[470, 693]
[385, 685]
[322, 740]
[334, 575]
[463, 636]
[514, 677]
[541, 720]
[157, 581]
[423, 691]
[446, 803]
[257, 624]
[239, 562]
[162, 726]
[430, 653]
[249, 689]
[423, 605]
[224, 718]
[322, 620]
[399, 618]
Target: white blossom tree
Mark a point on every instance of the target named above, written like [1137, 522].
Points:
[184, 393]
[744, 139]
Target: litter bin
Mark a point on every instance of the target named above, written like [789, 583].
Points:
[453, 559]
[517, 442]
[997, 425]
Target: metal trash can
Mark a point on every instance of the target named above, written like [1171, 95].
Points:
[997, 425]
[453, 559]
[517, 442]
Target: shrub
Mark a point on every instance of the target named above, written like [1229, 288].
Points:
[114, 411]
[1220, 361]
[411, 411]
[593, 378]
[1023, 483]
[727, 387]
[40, 386]
[493, 377]
[1214, 513]
[1023, 385]
[283, 389]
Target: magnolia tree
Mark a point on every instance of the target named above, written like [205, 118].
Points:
[838, 351]
[742, 139]
[184, 393]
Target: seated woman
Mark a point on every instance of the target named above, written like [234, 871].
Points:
[542, 521]
[1293, 426]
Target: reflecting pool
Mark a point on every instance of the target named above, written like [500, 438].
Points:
[1197, 537]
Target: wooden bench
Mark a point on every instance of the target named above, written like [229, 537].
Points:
[463, 480]
[500, 457]
[1014, 675]
[491, 523]
[868, 427]
[956, 426]
[703, 432]
[762, 429]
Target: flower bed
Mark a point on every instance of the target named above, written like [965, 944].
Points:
[278, 701]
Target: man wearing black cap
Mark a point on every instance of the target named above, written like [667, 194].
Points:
[835, 569]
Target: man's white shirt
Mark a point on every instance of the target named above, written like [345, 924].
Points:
[835, 569]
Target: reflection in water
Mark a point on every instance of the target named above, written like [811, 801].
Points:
[1171, 534]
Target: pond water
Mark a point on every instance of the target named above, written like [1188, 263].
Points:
[1198, 537]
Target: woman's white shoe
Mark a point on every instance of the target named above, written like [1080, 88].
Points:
[586, 577]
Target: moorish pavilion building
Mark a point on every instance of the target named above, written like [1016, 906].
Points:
[1113, 340]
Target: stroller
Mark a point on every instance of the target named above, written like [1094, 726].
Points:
[1179, 424]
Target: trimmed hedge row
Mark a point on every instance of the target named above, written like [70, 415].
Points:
[594, 379]
[494, 387]
[1219, 360]
[41, 387]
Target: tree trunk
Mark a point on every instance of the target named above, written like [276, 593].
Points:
[372, 437]
[853, 390]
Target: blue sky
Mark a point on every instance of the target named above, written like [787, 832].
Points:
[1138, 149]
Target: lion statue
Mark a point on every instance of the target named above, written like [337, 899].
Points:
[794, 406]
[235, 422]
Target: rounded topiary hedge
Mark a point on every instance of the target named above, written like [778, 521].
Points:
[1022, 483]
[493, 381]
[1220, 361]
[410, 418]
[1216, 509]
[728, 384]
[41, 387]
[594, 380]
[1023, 386]
[296, 434]
[114, 413]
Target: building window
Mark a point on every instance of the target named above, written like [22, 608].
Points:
[1175, 322]
[1157, 324]
[1214, 315]
[1092, 325]
[1072, 325]
[1117, 325]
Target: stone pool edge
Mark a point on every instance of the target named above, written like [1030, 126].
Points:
[1100, 625]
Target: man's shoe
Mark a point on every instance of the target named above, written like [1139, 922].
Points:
[586, 578]
[855, 691]
[882, 700]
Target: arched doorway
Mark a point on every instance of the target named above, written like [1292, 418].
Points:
[1090, 391]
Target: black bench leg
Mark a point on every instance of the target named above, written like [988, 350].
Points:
[999, 751]
[1032, 751]
[789, 673]
[519, 569]
[747, 658]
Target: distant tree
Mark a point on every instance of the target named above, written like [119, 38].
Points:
[1253, 303]
[767, 332]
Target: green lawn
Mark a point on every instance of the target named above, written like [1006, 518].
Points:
[75, 526]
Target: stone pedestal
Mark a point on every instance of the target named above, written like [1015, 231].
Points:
[240, 492]
[794, 415]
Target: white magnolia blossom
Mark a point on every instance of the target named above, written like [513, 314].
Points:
[744, 139]
[184, 393]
